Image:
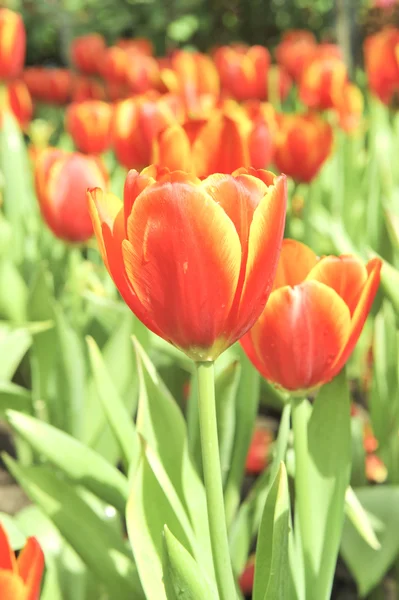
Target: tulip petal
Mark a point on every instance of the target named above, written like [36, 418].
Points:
[295, 263]
[172, 149]
[264, 244]
[11, 586]
[7, 557]
[30, 566]
[360, 314]
[345, 274]
[107, 213]
[183, 260]
[300, 333]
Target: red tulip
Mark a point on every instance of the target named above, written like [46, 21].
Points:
[295, 50]
[89, 124]
[313, 318]
[175, 236]
[246, 581]
[323, 79]
[87, 52]
[136, 123]
[20, 101]
[259, 450]
[381, 54]
[62, 179]
[20, 577]
[303, 144]
[12, 44]
[243, 71]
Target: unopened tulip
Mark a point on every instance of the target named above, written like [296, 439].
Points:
[313, 318]
[194, 260]
[303, 144]
[294, 52]
[89, 124]
[323, 79]
[87, 52]
[243, 71]
[62, 179]
[12, 44]
[381, 54]
[20, 578]
[136, 124]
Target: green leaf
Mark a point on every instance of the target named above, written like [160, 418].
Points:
[15, 397]
[77, 461]
[359, 519]
[247, 402]
[271, 564]
[148, 511]
[161, 423]
[15, 536]
[93, 540]
[13, 346]
[119, 419]
[183, 579]
[369, 566]
[322, 456]
[13, 292]
[246, 524]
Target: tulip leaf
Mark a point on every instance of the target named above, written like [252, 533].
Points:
[117, 414]
[247, 402]
[158, 416]
[368, 565]
[13, 346]
[358, 517]
[148, 511]
[15, 536]
[77, 461]
[183, 579]
[100, 548]
[271, 565]
[15, 397]
[13, 292]
[246, 523]
[322, 470]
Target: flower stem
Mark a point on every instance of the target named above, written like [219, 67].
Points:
[213, 481]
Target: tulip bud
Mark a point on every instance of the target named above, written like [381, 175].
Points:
[12, 44]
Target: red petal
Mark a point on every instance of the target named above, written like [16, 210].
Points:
[30, 566]
[361, 312]
[345, 274]
[300, 333]
[296, 260]
[7, 556]
[183, 260]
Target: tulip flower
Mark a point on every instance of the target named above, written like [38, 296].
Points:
[20, 577]
[87, 52]
[87, 88]
[259, 450]
[113, 66]
[89, 124]
[303, 144]
[246, 581]
[261, 140]
[295, 50]
[139, 44]
[20, 101]
[175, 236]
[53, 86]
[349, 107]
[61, 180]
[216, 145]
[313, 318]
[243, 71]
[12, 44]
[136, 123]
[323, 79]
[381, 55]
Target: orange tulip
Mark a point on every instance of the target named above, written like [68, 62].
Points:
[20, 577]
[194, 260]
[192, 75]
[49, 85]
[87, 88]
[136, 123]
[142, 72]
[295, 50]
[20, 101]
[113, 65]
[62, 179]
[89, 124]
[381, 54]
[12, 44]
[323, 79]
[87, 52]
[140, 44]
[303, 144]
[263, 132]
[243, 71]
[349, 106]
[313, 318]
[216, 145]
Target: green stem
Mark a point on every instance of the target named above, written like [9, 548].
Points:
[303, 521]
[213, 481]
